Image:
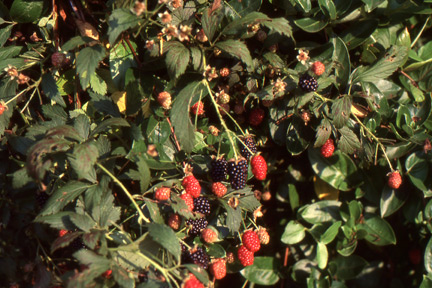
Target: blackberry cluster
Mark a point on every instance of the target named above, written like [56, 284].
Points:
[200, 258]
[41, 199]
[202, 205]
[219, 170]
[197, 225]
[308, 83]
[238, 173]
[250, 143]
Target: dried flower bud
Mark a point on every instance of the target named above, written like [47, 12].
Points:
[201, 37]
[261, 35]
[139, 8]
[224, 72]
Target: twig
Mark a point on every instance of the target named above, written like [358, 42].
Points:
[411, 80]
[421, 31]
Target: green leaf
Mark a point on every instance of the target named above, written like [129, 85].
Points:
[404, 39]
[197, 58]
[49, 87]
[58, 220]
[341, 111]
[242, 8]
[323, 132]
[298, 136]
[239, 25]
[391, 201]
[4, 36]
[210, 22]
[371, 4]
[9, 51]
[417, 170]
[144, 172]
[82, 126]
[428, 257]
[123, 277]
[183, 127]
[279, 25]
[331, 233]
[130, 259]
[348, 267]
[234, 217]
[328, 8]
[154, 211]
[64, 131]
[311, 25]
[119, 21]
[358, 32]
[320, 212]
[98, 85]
[26, 11]
[342, 63]
[63, 196]
[322, 255]
[305, 5]
[348, 142]
[87, 61]
[200, 273]
[427, 282]
[177, 59]
[64, 241]
[82, 160]
[75, 42]
[166, 237]
[393, 58]
[339, 170]
[380, 232]
[294, 233]
[237, 49]
[262, 272]
[108, 123]
[121, 59]
[83, 222]
[105, 212]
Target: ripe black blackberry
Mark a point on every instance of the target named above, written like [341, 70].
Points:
[197, 225]
[308, 83]
[250, 143]
[202, 205]
[199, 257]
[41, 199]
[219, 170]
[238, 172]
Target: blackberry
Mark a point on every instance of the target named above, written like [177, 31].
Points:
[308, 83]
[219, 170]
[238, 173]
[41, 199]
[197, 225]
[200, 257]
[250, 143]
[202, 205]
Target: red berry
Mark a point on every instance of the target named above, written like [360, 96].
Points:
[263, 236]
[174, 221]
[259, 167]
[192, 282]
[256, 116]
[394, 180]
[218, 269]
[58, 59]
[245, 256]
[188, 199]
[209, 235]
[415, 256]
[164, 99]
[2, 109]
[107, 274]
[63, 232]
[318, 68]
[219, 189]
[224, 72]
[192, 186]
[251, 241]
[328, 148]
[162, 193]
[198, 108]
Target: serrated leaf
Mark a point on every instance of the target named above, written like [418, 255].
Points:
[279, 25]
[348, 142]
[119, 21]
[4, 34]
[123, 277]
[49, 87]
[20, 178]
[358, 32]
[237, 49]
[26, 11]
[197, 58]
[311, 25]
[82, 126]
[417, 170]
[341, 60]
[87, 61]
[121, 59]
[83, 158]
[240, 24]
[199, 273]
[341, 111]
[105, 213]
[323, 132]
[183, 127]
[180, 207]
[9, 51]
[263, 271]
[166, 237]
[234, 218]
[83, 222]
[177, 59]
[102, 127]
[210, 22]
[294, 233]
[75, 42]
[130, 259]
[393, 58]
[63, 196]
[64, 241]
[58, 221]
[154, 211]
[97, 84]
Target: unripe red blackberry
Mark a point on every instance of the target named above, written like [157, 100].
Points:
[224, 72]
[198, 108]
[328, 148]
[58, 59]
[174, 221]
[394, 180]
[164, 99]
[318, 68]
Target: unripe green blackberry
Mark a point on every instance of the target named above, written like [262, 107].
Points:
[219, 170]
[250, 143]
[202, 205]
[308, 83]
[237, 172]
[197, 225]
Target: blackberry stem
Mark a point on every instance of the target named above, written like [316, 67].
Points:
[374, 138]
[220, 118]
[324, 99]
